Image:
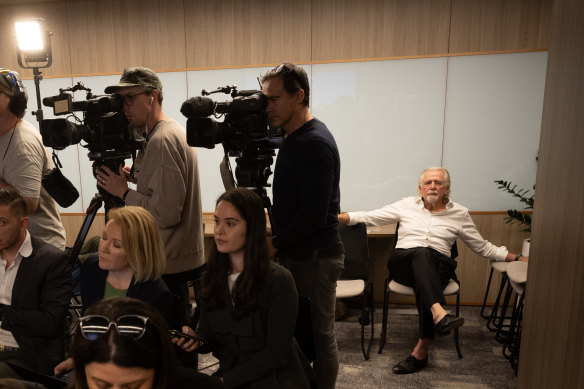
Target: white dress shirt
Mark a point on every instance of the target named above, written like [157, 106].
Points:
[421, 228]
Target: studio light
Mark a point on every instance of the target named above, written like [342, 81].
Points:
[33, 51]
[33, 44]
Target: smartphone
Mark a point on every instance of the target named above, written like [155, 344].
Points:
[179, 334]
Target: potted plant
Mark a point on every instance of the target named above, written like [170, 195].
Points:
[514, 216]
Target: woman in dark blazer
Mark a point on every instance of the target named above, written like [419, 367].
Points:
[249, 304]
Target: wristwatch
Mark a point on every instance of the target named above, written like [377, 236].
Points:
[517, 257]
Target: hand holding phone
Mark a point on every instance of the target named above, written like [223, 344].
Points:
[178, 334]
[187, 339]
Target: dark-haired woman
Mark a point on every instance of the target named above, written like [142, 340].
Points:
[249, 303]
[124, 343]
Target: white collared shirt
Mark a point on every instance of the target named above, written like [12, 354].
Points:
[421, 228]
[7, 277]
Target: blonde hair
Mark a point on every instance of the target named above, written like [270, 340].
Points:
[142, 242]
[446, 175]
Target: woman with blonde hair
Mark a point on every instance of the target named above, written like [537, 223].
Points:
[129, 262]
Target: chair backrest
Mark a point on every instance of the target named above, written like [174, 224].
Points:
[453, 249]
[356, 251]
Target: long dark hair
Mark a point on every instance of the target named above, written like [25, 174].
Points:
[154, 350]
[246, 290]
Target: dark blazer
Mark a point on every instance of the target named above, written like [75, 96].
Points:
[258, 350]
[155, 292]
[40, 299]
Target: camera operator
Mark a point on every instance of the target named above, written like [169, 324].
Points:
[167, 178]
[306, 197]
[24, 160]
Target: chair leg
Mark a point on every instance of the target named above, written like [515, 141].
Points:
[367, 317]
[383, 334]
[372, 318]
[456, 341]
[516, 342]
[495, 310]
[502, 328]
[486, 295]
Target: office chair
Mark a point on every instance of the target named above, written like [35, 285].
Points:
[354, 281]
[391, 286]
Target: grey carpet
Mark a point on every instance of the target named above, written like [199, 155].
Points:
[482, 365]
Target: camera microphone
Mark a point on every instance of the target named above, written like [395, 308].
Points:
[198, 107]
[50, 101]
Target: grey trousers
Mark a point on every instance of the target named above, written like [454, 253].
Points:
[316, 278]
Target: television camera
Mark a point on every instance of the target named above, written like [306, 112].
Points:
[104, 128]
[244, 134]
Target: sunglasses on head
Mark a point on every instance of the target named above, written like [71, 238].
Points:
[131, 326]
[9, 77]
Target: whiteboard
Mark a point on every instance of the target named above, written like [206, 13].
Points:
[479, 116]
[493, 119]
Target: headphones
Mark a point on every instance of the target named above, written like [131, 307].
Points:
[19, 99]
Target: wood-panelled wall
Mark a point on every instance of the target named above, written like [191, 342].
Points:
[104, 36]
[552, 345]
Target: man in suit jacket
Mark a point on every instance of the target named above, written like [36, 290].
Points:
[36, 287]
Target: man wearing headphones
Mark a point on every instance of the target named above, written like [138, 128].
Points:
[166, 173]
[24, 160]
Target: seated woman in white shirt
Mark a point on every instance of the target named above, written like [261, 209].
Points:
[429, 226]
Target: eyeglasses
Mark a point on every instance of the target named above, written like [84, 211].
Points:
[129, 99]
[93, 326]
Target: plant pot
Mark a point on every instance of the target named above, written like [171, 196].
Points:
[525, 249]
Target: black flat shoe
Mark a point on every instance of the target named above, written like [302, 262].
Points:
[410, 365]
[448, 323]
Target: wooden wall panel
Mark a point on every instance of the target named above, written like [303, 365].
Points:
[344, 29]
[552, 346]
[73, 223]
[491, 25]
[474, 268]
[108, 36]
[229, 33]
[55, 21]
[101, 37]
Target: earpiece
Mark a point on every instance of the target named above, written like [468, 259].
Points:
[151, 100]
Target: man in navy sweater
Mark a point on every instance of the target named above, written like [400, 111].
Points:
[306, 202]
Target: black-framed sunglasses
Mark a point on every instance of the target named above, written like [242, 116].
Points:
[129, 99]
[93, 326]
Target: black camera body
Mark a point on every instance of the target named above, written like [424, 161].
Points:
[104, 127]
[244, 132]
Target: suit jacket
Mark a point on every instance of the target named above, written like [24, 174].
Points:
[155, 292]
[258, 350]
[40, 299]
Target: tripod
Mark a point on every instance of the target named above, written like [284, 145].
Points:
[96, 202]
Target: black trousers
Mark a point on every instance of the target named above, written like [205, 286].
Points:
[428, 272]
[178, 285]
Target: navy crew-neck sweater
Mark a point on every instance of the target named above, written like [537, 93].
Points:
[306, 194]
